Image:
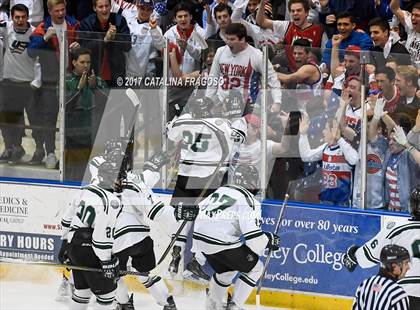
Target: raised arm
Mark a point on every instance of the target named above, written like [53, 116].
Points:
[262, 20]
[394, 5]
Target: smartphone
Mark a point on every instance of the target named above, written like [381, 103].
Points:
[293, 124]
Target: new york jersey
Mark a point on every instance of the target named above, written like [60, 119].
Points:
[98, 209]
[241, 71]
[404, 232]
[228, 214]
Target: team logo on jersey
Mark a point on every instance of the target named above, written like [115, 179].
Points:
[249, 258]
[390, 225]
[115, 204]
[374, 163]
[18, 47]
[218, 122]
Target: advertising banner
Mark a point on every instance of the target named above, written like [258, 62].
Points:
[313, 242]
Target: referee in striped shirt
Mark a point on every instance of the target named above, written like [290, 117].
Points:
[381, 291]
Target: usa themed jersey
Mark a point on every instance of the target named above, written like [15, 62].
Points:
[404, 232]
[201, 150]
[241, 71]
[337, 162]
[336, 174]
[18, 66]
[352, 118]
[98, 209]
[224, 217]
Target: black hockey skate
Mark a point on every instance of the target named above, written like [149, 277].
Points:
[127, 306]
[176, 258]
[193, 267]
[170, 304]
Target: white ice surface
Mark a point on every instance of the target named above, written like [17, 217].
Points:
[19, 295]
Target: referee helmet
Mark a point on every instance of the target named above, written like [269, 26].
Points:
[393, 253]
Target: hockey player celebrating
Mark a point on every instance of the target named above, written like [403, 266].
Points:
[132, 235]
[226, 217]
[205, 147]
[90, 238]
[405, 233]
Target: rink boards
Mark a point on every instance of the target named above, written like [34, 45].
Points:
[307, 271]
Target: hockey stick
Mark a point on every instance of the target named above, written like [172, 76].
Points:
[69, 266]
[267, 261]
[225, 153]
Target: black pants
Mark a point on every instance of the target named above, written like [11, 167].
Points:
[241, 259]
[82, 254]
[414, 302]
[142, 256]
[14, 98]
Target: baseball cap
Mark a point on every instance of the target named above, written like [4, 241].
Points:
[353, 50]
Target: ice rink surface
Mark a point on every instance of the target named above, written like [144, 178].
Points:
[19, 295]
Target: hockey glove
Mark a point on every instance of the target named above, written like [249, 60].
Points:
[273, 241]
[63, 255]
[187, 213]
[349, 259]
[156, 162]
[111, 268]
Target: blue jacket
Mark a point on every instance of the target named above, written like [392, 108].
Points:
[408, 178]
[356, 38]
[92, 37]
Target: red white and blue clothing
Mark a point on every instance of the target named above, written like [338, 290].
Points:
[337, 168]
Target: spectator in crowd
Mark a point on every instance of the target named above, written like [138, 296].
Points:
[80, 9]
[259, 35]
[212, 7]
[385, 78]
[338, 158]
[107, 36]
[349, 36]
[406, 81]
[307, 80]
[85, 93]
[222, 16]
[398, 161]
[45, 44]
[35, 7]
[142, 61]
[349, 114]
[386, 44]
[377, 148]
[288, 31]
[16, 92]
[361, 10]
[245, 79]
[411, 23]
[188, 40]
[401, 138]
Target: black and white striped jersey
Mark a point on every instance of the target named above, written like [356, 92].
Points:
[404, 232]
[380, 293]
